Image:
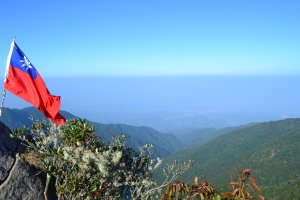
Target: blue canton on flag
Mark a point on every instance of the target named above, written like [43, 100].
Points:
[20, 61]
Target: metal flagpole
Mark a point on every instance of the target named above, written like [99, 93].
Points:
[2, 102]
[6, 73]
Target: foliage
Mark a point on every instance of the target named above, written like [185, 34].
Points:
[239, 190]
[83, 166]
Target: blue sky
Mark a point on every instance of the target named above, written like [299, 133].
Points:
[229, 56]
[158, 37]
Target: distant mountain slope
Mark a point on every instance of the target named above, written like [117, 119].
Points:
[271, 150]
[196, 137]
[15, 118]
[202, 136]
[164, 144]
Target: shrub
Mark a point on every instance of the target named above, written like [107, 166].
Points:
[245, 188]
[83, 166]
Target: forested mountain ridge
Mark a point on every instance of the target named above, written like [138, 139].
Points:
[202, 136]
[270, 149]
[164, 144]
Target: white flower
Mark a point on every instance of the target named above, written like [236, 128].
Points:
[159, 161]
[116, 158]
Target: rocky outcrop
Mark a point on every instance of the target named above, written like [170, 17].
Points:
[18, 180]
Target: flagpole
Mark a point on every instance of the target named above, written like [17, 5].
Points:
[6, 73]
[2, 102]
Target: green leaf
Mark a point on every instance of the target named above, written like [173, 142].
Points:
[217, 197]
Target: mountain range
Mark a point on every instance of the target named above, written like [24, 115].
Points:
[164, 144]
[270, 149]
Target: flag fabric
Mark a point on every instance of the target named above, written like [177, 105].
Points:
[23, 80]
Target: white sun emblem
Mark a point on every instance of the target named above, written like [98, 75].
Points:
[26, 63]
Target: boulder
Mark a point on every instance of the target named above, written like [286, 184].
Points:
[18, 179]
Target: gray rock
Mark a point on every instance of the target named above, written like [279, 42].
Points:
[7, 145]
[23, 183]
[6, 163]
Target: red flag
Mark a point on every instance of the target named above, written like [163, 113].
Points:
[23, 80]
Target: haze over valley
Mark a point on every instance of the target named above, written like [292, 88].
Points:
[175, 103]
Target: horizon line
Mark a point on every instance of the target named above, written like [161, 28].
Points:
[170, 75]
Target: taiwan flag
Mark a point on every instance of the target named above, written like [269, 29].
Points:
[23, 80]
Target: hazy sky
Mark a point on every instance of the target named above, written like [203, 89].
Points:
[157, 37]
[202, 56]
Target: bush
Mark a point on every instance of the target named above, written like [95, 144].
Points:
[83, 166]
[245, 188]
